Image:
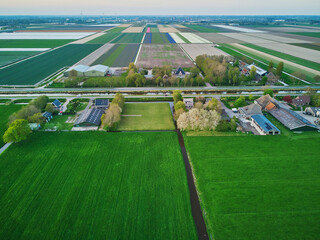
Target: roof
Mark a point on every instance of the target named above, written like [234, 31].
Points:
[264, 123]
[270, 106]
[92, 116]
[57, 103]
[47, 114]
[102, 102]
[259, 71]
[264, 101]
[301, 100]
[179, 70]
[251, 109]
[313, 109]
[98, 68]
[190, 100]
[79, 68]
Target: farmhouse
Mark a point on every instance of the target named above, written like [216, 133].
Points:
[263, 125]
[57, 104]
[301, 101]
[80, 70]
[90, 117]
[265, 100]
[102, 104]
[179, 72]
[47, 116]
[188, 102]
[97, 71]
[314, 111]
[252, 109]
[272, 79]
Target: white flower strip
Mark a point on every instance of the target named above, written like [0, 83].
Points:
[45, 35]
[193, 38]
[176, 38]
[23, 49]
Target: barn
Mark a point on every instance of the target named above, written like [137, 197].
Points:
[79, 69]
[97, 71]
[89, 118]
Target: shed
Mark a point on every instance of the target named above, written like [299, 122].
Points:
[90, 117]
[97, 71]
[263, 125]
[47, 116]
[80, 69]
[188, 102]
[101, 103]
[259, 71]
[57, 104]
[34, 126]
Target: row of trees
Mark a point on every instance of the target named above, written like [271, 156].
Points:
[111, 119]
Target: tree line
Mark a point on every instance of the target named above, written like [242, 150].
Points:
[111, 119]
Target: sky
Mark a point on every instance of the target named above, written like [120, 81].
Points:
[162, 7]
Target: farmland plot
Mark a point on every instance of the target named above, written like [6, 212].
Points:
[95, 185]
[177, 38]
[195, 50]
[91, 58]
[36, 69]
[13, 56]
[154, 55]
[218, 38]
[105, 38]
[193, 38]
[277, 38]
[167, 29]
[45, 35]
[133, 30]
[239, 29]
[202, 28]
[120, 55]
[156, 38]
[89, 38]
[129, 38]
[33, 43]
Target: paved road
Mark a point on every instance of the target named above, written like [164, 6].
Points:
[5, 147]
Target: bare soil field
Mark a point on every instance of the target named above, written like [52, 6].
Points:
[125, 25]
[247, 38]
[195, 50]
[309, 54]
[219, 38]
[87, 39]
[272, 37]
[290, 29]
[91, 58]
[164, 29]
[277, 59]
[153, 55]
[133, 30]
[180, 26]
[299, 37]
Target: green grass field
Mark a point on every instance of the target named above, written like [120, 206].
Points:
[33, 43]
[200, 28]
[151, 116]
[34, 70]
[308, 34]
[290, 58]
[154, 29]
[258, 187]
[5, 112]
[129, 38]
[12, 56]
[95, 185]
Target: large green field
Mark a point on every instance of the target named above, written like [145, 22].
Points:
[13, 56]
[290, 58]
[308, 34]
[201, 28]
[33, 43]
[146, 116]
[34, 70]
[5, 112]
[95, 185]
[105, 38]
[258, 187]
[129, 38]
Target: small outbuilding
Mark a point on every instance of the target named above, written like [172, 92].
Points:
[57, 104]
[314, 111]
[47, 116]
[188, 102]
[34, 126]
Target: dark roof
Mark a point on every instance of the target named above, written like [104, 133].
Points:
[92, 116]
[47, 114]
[224, 115]
[301, 100]
[57, 103]
[102, 102]
[179, 71]
[264, 123]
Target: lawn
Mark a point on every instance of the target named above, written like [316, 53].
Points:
[12, 56]
[258, 187]
[308, 34]
[290, 58]
[33, 43]
[146, 116]
[95, 185]
[120, 55]
[129, 38]
[59, 121]
[5, 112]
[34, 70]
[201, 28]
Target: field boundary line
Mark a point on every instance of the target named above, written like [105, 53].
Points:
[138, 53]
